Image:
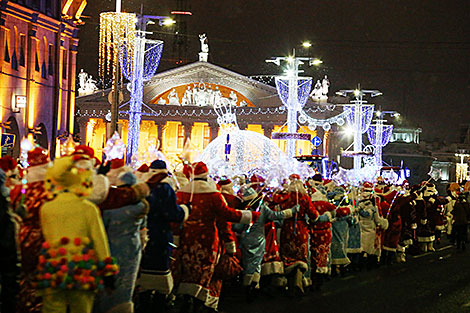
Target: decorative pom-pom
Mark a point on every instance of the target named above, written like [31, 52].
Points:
[46, 245]
[62, 251]
[52, 253]
[64, 240]
[77, 241]
[47, 276]
[86, 257]
[108, 260]
[86, 241]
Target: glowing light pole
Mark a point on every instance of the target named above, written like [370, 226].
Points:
[359, 116]
[293, 91]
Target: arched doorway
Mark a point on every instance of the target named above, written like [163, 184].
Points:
[14, 129]
[41, 137]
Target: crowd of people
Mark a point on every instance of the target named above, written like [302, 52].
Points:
[81, 236]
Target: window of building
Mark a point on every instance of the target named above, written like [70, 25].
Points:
[207, 135]
[180, 143]
[22, 49]
[14, 41]
[6, 54]
[50, 61]
[64, 64]
[36, 58]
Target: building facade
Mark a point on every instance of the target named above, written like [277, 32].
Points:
[179, 105]
[38, 48]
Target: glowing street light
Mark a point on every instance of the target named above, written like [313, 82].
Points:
[167, 22]
[306, 44]
[315, 62]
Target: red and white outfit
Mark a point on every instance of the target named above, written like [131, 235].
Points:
[199, 240]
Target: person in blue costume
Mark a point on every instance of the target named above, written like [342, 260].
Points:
[123, 229]
[252, 239]
[340, 232]
[156, 279]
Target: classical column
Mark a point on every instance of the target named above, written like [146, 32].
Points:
[268, 130]
[187, 130]
[82, 124]
[214, 130]
[160, 127]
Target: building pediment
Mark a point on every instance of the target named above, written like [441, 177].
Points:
[197, 73]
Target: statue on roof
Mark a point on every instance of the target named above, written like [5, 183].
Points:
[204, 54]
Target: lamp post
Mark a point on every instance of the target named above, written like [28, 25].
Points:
[293, 91]
[359, 116]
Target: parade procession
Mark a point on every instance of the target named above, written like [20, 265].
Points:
[167, 181]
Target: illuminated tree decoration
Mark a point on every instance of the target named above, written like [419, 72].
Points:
[115, 147]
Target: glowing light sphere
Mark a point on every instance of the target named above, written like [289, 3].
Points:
[250, 153]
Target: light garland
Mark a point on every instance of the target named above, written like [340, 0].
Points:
[379, 136]
[115, 30]
[325, 123]
[304, 85]
[366, 114]
[114, 148]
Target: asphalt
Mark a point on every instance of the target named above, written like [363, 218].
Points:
[431, 282]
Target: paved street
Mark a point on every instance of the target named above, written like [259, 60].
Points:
[434, 282]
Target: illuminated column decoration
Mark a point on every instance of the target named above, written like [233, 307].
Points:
[379, 136]
[293, 91]
[358, 117]
[147, 54]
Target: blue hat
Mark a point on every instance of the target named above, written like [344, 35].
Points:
[158, 165]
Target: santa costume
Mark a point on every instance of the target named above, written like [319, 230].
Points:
[295, 233]
[30, 197]
[199, 241]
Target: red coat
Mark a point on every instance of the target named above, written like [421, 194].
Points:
[199, 241]
[294, 233]
[320, 239]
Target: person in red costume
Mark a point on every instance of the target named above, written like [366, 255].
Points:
[28, 198]
[295, 233]
[199, 239]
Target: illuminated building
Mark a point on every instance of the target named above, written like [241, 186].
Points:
[38, 49]
[173, 113]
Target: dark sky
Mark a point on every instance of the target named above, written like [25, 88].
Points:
[417, 52]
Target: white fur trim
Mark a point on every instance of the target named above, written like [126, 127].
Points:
[230, 247]
[37, 173]
[246, 217]
[426, 239]
[423, 222]
[353, 250]
[247, 279]
[302, 265]
[200, 186]
[100, 189]
[193, 290]
[287, 213]
[322, 270]
[156, 280]
[330, 216]
[146, 176]
[186, 211]
[270, 268]
[227, 189]
[212, 302]
[389, 249]
[342, 261]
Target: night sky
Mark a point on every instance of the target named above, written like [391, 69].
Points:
[416, 52]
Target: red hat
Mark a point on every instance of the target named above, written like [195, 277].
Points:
[294, 176]
[82, 149]
[187, 170]
[367, 186]
[257, 179]
[144, 168]
[97, 161]
[117, 163]
[38, 156]
[7, 163]
[225, 182]
[200, 169]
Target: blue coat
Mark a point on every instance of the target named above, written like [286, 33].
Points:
[253, 240]
[123, 227]
[163, 211]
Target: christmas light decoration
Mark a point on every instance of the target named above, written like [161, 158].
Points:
[358, 117]
[116, 29]
[379, 136]
[67, 147]
[115, 147]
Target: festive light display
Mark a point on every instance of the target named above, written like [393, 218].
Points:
[312, 123]
[114, 148]
[146, 59]
[67, 147]
[379, 136]
[116, 29]
[461, 169]
[358, 116]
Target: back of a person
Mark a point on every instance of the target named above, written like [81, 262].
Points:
[461, 211]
